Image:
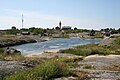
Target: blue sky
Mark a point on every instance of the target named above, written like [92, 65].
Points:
[86, 14]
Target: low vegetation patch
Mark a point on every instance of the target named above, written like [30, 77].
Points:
[116, 45]
[46, 71]
[91, 49]
[85, 50]
[10, 57]
[115, 67]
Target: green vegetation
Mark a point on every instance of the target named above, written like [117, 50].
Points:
[10, 57]
[112, 30]
[75, 31]
[46, 71]
[6, 40]
[92, 49]
[87, 50]
[1, 51]
[36, 31]
[99, 35]
[12, 31]
[64, 36]
[117, 41]
[116, 45]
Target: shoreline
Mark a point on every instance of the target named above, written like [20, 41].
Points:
[19, 40]
[55, 52]
[38, 53]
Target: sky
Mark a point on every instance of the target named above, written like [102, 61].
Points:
[83, 14]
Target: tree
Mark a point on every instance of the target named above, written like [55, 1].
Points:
[31, 29]
[119, 30]
[75, 28]
[37, 31]
[107, 30]
[24, 29]
[13, 28]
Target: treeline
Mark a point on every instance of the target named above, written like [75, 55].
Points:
[41, 31]
[111, 30]
[47, 31]
[15, 31]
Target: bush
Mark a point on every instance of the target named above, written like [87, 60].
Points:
[53, 69]
[90, 49]
[1, 51]
[10, 57]
[46, 71]
[117, 41]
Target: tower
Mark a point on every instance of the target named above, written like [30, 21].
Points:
[60, 24]
[22, 20]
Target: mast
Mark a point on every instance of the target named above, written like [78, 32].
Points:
[22, 20]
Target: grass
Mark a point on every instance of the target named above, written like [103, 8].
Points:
[84, 50]
[115, 46]
[6, 40]
[115, 67]
[1, 51]
[48, 70]
[65, 36]
[99, 35]
[10, 57]
[91, 49]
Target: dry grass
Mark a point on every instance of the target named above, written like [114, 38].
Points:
[46, 71]
[82, 75]
[115, 67]
[8, 36]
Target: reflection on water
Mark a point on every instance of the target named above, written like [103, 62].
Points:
[54, 44]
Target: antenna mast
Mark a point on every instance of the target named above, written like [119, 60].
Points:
[22, 20]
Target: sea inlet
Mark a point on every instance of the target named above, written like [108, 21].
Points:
[53, 44]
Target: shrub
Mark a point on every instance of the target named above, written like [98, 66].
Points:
[90, 49]
[46, 71]
[100, 52]
[10, 57]
[117, 41]
[1, 51]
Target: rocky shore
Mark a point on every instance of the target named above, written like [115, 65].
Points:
[100, 67]
[93, 67]
[10, 67]
[18, 40]
[13, 42]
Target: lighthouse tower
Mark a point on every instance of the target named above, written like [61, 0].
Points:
[60, 24]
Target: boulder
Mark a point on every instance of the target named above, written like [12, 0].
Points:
[10, 51]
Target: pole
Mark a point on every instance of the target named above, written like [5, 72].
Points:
[22, 20]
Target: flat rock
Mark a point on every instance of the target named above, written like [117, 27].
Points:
[10, 67]
[101, 67]
[107, 41]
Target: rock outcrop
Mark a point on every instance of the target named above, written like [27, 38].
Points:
[13, 42]
[11, 51]
[107, 41]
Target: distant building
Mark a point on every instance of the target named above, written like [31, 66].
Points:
[66, 28]
[107, 33]
[25, 33]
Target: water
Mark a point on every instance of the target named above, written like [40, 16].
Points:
[54, 44]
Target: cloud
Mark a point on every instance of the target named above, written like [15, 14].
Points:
[38, 19]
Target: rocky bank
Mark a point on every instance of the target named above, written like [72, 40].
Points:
[13, 42]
